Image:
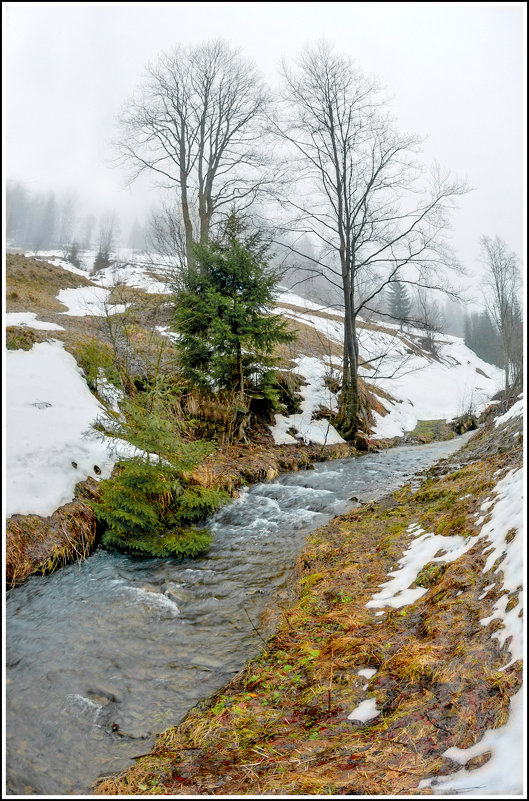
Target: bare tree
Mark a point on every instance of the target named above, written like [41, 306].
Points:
[166, 242]
[428, 316]
[198, 124]
[86, 235]
[503, 296]
[361, 193]
[67, 222]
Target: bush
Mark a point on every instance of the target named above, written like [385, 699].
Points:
[20, 338]
[92, 356]
[149, 512]
[150, 508]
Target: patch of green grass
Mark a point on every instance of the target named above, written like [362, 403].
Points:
[20, 338]
[430, 430]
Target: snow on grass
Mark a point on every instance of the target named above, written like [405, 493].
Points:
[88, 301]
[315, 394]
[110, 394]
[424, 387]
[56, 257]
[515, 410]
[165, 331]
[331, 329]
[29, 320]
[397, 592]
[49, 410]
[433, 390]
[133, 275]
[507, 516]
[367, 710]
[66, 265]
[367, 673]
[503, 774]
[131, 268]
[290, 298]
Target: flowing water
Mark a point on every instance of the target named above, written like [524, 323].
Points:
[104, 653]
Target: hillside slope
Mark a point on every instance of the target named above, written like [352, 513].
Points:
[414, 378]
[55, 318]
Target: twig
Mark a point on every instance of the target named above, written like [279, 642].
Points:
[330, 682]
[437, 725]
[252, 625]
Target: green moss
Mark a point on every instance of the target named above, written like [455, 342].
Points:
[430, 573]
[20, 338]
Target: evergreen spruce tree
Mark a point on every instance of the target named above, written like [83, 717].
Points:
[73, 255]
[399, 302]
[149, 508]
[224, 315]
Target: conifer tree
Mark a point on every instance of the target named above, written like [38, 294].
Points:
[223, 314]
[399, 302]
[149, 508]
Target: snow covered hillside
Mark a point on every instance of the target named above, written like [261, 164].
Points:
[423, 385]
[50, 408]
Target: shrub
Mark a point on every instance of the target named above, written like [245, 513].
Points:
[92, 356]
[149, 512]
[150, 508]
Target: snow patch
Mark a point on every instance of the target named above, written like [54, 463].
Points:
[502, 774]
[315, 394]
[49, 444]
[29, 320]
[367, 710]
[89, 301]
[397, 592]
[367, 673]
[515, 410]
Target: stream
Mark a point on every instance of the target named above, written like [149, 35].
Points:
[106, 652]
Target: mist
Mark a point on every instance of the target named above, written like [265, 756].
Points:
[454, 74]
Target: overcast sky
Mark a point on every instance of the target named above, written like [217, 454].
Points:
[455, 72]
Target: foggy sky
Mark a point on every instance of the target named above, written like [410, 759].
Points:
[454, 71]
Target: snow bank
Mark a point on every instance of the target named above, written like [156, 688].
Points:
[49, 410]
[89, 301]
[515, 410]
[315, 394]
[29, 320]
[424, 388]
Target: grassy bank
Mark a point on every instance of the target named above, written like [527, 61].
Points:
[281, 726]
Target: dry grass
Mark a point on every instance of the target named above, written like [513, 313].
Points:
[281, 727]
[32, 285]
[36, 544]
[316, 313]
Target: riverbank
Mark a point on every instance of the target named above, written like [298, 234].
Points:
[37, 544]
[348, 700]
